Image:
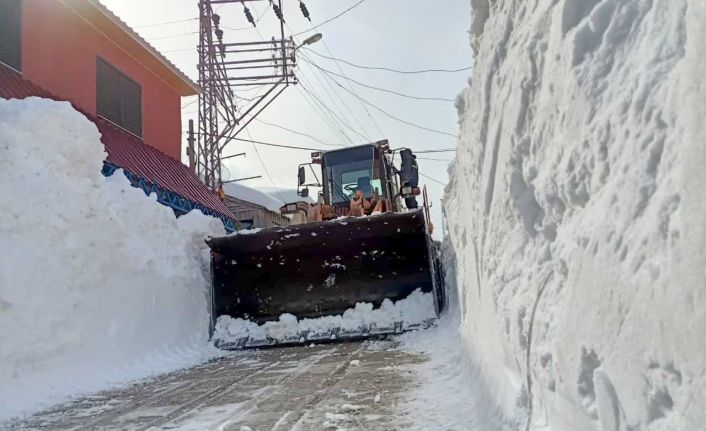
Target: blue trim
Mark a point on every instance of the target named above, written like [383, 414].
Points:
[166, 197]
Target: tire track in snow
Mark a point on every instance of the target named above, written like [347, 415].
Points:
[198, 404]
[172, 393]
[323, 390]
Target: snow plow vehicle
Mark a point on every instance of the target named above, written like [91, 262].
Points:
[365, 243]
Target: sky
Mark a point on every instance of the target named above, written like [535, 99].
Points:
[397, 34]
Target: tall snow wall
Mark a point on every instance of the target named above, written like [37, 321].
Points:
[576, 209]
[99, 284]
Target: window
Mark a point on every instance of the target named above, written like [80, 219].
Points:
[364, 180]
[350, 170]
[11, 33]
[118, 98]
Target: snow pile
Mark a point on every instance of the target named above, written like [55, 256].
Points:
[98, 283]
[445, 391]
[254, 196]
[576, 209]
[416, 309]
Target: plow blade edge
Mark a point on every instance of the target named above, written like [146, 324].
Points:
[322, 268]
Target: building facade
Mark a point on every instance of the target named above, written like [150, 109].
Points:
[79, 51]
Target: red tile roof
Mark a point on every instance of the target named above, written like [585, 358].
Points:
[128, 151]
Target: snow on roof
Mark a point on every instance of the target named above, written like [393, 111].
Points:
[127, 151]
[254, 196]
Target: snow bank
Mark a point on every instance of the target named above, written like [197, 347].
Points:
[446, 391]
[254, 196]
[416, 309]
[98, 283]
[578, 190]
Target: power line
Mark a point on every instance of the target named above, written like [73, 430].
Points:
[172, 36]
[158, 24]
[331, 19]
[434, 160]
[269, 144]
[322, 115]
[335, 116]
[372, 120]
[388, 68]
[189, 104]
[326, 85]
[264, 167]
[252, 141]
[337, 121]
[449, 150]
[178, 50]
[249, 27]
[314, 27]
[432, 179]
[297, 133]
[196, 32]
[441, 99]
[392, 116]
[237, 28]
[245, 99]
[267, 172]
[264, 11]
[294, 147]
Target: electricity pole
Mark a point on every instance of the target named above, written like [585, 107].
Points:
[225, 67]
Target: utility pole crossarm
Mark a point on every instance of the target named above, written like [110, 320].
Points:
[219, 118]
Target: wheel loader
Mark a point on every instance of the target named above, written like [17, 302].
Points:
[365, 240]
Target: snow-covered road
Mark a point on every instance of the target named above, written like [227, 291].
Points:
[349, 385]
[421, 380]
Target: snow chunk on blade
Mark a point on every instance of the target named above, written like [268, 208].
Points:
[414, 312]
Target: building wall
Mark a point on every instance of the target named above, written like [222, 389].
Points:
[261, 217]
[59, 50]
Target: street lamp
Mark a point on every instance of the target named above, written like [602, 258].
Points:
[310, 40]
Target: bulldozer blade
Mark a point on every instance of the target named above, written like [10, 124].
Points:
[333, 336]
[321, 268]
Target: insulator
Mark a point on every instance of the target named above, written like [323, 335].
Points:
[248, 15]
[277, 10]
[216, 19]
[222, 48]
[219, 34]
[305, 11]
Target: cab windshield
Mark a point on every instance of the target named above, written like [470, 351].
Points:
[348, 171]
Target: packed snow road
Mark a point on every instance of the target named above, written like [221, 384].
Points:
[348, 386]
